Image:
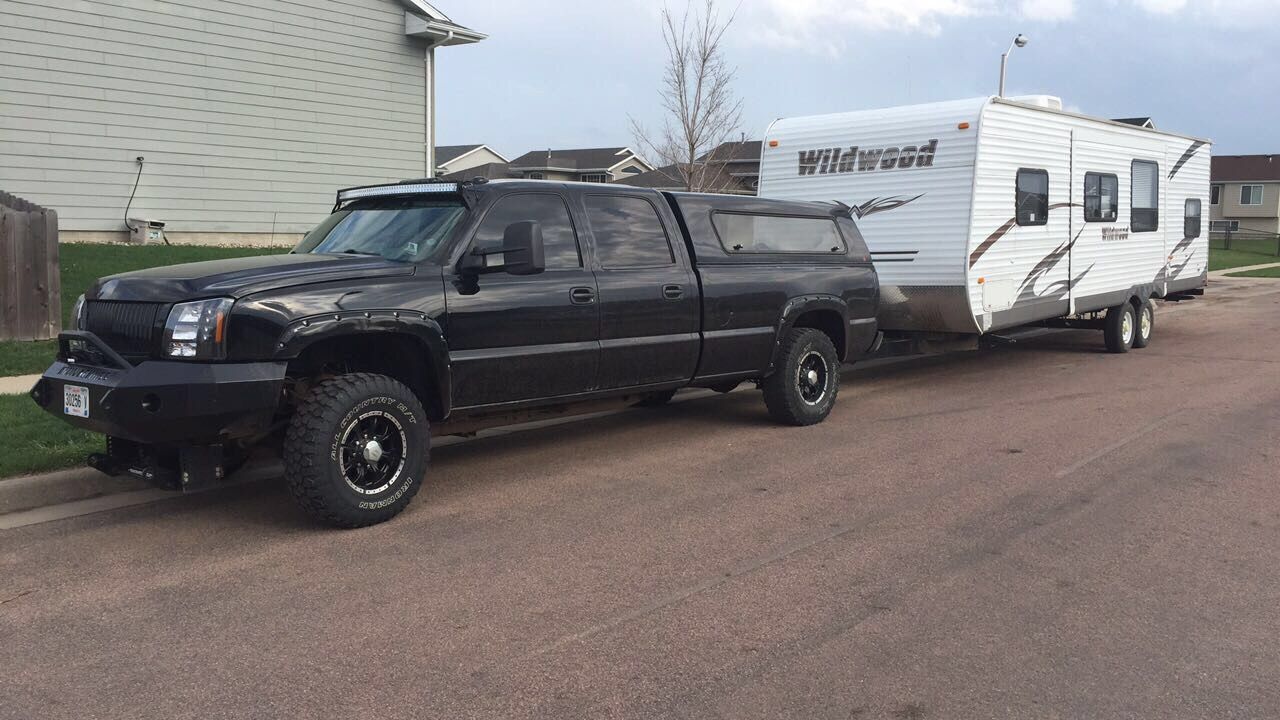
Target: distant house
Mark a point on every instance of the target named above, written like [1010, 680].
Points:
[1142, 122]
[1245, 193]
[599, 165]
[733, 168]
[460, 158]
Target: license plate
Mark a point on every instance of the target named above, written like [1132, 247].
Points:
[75, 400]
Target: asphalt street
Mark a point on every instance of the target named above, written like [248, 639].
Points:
[1038, 530]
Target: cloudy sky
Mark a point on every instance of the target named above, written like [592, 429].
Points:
[568, 73]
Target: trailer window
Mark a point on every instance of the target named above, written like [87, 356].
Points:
[1031, 200]
[1191, 219]
[746, 233]
[1101, 195]
[1144, 196]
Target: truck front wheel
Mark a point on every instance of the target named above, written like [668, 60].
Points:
[803, 388]
[356, 450]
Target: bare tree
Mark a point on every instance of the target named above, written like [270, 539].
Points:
[702, 111]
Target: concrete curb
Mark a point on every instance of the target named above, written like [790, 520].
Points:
[32, 491]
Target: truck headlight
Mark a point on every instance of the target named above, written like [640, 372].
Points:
[197, 330]
[77, 314]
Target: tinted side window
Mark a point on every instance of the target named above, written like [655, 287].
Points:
[1144, 200]
[1101, 193]
[1191, 219]
[628, 232]
[1032, 197]
[559, 241]
[743, 233]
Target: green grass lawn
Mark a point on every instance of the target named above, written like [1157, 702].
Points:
[35, 441]
[82, 263]
[1271, 272]
[1223, 259]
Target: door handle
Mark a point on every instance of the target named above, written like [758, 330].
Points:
[582, 296]
[672, 292]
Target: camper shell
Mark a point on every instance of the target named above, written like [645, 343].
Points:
[988, 213]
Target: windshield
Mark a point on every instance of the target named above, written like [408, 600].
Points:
[404, 229]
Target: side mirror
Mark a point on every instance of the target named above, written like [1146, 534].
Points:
[521, 252]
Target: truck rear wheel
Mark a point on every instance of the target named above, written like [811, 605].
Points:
[1121, 326]
[356, 450]
[1146, 324]
[803, 388]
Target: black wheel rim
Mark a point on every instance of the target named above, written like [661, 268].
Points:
[811, 377]
[371, 454]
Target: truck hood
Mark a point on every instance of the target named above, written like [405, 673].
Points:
[238, 277]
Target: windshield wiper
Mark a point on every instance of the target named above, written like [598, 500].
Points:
[360, 252]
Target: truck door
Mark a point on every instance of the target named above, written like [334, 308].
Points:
[648, 293]
[526, 337]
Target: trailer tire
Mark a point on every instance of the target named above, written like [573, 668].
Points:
[1120, 328]
[803, 388]
[356, 450]
[1146, 324]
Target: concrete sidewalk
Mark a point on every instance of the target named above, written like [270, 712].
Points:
[17, 384]
[1227, 271]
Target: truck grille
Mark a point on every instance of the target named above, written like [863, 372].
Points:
[130, 328]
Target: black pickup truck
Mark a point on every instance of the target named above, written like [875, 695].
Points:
[429, 305]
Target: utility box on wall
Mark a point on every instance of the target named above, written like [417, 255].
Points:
[30, 278]
[143, 232]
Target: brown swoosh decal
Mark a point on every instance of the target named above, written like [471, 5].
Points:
[1000, 232]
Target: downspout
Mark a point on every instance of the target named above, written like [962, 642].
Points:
[429, 98]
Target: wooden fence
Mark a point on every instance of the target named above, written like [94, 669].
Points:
[30, 283]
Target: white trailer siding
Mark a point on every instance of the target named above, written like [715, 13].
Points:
[249, 115]
[915, 219]
[948, 247]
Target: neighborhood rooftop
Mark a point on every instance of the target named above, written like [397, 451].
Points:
[1265, 168]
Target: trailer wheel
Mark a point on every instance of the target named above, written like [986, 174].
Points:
[803, 388]
[356, 450]
[1146, 324]
[1120, 329]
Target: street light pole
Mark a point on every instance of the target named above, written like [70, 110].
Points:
[1019, 41]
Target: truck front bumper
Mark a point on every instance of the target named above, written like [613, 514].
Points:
[158, 402]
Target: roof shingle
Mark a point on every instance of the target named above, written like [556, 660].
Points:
[1225, 168]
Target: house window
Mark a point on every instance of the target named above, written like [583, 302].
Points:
[1101, 196]
[595, 178]
[1215, 194]
[1144, 196]
[1031, 199]
[1224, 225]
[1250, 194]
[1191, 219]
[535, 176]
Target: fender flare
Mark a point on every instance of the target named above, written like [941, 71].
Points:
[305, 332]
[802, 304]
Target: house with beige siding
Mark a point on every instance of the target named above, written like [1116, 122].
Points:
[1245, 193]
[226, 121]
[454, 159]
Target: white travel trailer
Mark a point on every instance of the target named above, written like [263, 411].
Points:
[989, 213]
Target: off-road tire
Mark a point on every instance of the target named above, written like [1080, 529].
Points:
[788, 392]
[1146, 317]
[314, 446]
[1114, 330]
[657, 399]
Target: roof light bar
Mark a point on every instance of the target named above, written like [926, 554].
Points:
[384, 190]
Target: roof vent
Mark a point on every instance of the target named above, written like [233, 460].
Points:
[1044, 101]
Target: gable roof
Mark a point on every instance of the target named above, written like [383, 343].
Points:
[735, 151]
[578, 160]
[446, 153]
[1265, 168]
[490, 171]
